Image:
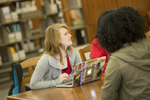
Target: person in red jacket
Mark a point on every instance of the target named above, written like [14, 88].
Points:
[96, 50]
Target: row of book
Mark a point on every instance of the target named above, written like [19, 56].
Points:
[73, 3]
[12, 53]
[16, 52]
[49, 7]
[17, 32]
[25, 6]
[77, 17]
[31, 45]
[28, 45]
[11, 33]
[13, 11]
[5, 1]
[47, 21]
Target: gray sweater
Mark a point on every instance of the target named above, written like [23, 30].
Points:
[47, 72]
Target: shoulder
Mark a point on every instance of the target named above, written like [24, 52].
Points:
[73, 51]
[146, 42]
[117, 61]
[96, 46]
[113, 65]
[44, 58]
[73, 54]
[95, 41]
[43, 62]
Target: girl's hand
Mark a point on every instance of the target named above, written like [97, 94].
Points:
[63, 77]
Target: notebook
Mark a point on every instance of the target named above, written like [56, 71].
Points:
[85, 72]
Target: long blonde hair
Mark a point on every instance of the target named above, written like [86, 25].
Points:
[52, 38]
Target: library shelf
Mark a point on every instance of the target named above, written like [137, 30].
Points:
[21, 20]
[74, 8]
[25, 19]
[50, 14]
[2, 2]
[5, 44]
[12, 22]
[34, 50]
[28, 34]
[30, 38]
[29, 55]
[34, 37]
[8, 63]
[35, 31]
[77, 27]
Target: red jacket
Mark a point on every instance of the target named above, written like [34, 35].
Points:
[97, 51]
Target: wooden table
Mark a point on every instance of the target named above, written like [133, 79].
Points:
[88, 91]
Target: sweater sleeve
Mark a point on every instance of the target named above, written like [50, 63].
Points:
[112, 81]
[39, 72]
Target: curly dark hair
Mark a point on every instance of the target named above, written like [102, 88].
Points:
[102, 14]
[125, 25]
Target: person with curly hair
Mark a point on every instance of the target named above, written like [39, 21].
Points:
[127, 76]
[96, 50]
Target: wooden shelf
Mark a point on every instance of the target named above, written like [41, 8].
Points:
[36, 48]
[35, 37]
[9, 1]
[64, 10]
[27, 57]
[50, 14]
[20, 20]
[9, 63]
[35, 31]
[77, 27]
[30, 15]
[5, 44]
[30, 38]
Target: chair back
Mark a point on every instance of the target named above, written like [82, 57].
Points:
[147, 35]
[83, 51]
[29, 63]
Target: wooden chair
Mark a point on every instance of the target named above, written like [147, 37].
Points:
[29, 63]
[147, 35]
[83, 51]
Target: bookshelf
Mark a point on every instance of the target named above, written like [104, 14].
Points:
[27, 30]
[73, 14]
[6, 1]
[78, 27]
[72, 8]
[32, 34]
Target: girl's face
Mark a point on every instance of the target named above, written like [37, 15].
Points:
[65, 37]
